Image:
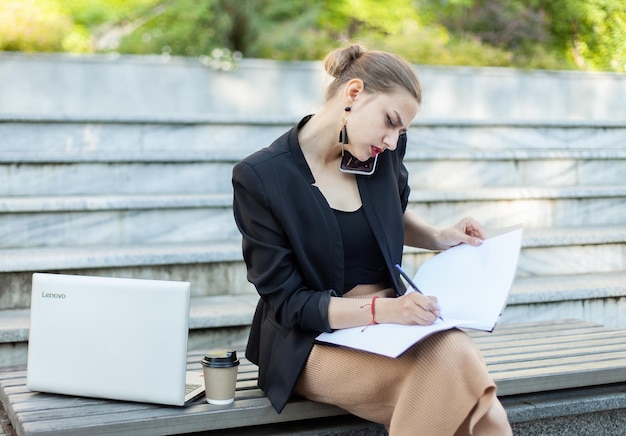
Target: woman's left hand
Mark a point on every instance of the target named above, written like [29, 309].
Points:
[468, 231]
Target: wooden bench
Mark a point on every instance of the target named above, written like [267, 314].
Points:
[522, 358]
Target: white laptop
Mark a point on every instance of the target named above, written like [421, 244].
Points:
[122, 339]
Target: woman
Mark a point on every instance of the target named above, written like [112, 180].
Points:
[323, 215]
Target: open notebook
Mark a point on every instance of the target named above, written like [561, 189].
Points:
[122, 339]
[471, 284]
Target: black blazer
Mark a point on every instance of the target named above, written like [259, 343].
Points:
[293, 250]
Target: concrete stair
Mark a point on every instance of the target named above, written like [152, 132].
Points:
[150, 197]
[215, 321]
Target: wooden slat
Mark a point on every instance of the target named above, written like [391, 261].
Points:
[545, 356]
[542, 351]
[35, 412]
[567, 364]
[529, 381]
[500, 337]
[517, 329]
[562, 341]
[522, 358]
[167, 420]
[502, 332]
[495, 339]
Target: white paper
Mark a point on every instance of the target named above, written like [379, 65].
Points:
[471, 284]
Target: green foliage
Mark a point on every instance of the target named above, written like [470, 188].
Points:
[584, 34]
[33, 25]
[196, 27]
[352, 18]
[184, 28]
[95, 13]
[434, 45]
[592, 33]
[552, 34]
[291, 32]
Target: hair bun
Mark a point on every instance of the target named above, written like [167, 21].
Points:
[379, 71]
[338, 60]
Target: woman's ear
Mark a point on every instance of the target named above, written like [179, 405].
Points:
[352, 89]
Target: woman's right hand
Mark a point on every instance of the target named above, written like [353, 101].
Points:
[414, 308]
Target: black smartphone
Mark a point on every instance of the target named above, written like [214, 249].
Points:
[350, 164]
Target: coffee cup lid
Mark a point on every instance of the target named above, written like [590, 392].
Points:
[220, 359]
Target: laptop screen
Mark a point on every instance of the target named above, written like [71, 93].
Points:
[109, 337]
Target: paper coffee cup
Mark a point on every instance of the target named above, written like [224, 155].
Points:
[220, 376]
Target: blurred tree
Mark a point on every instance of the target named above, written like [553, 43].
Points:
[556, 34]
[183, 28]
[290, 30]
[349, 19]
[587, 34]
[197, 27]
[33, 25]
[591, 32]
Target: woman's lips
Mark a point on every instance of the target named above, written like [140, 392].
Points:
[376, 150]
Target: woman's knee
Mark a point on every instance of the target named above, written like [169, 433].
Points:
[495, 422]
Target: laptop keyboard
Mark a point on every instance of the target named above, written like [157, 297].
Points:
[191, 387]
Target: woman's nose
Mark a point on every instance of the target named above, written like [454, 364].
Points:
[391, 141]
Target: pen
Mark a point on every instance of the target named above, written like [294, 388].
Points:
[413, 285]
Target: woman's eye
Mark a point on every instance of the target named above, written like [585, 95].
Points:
[389, 121]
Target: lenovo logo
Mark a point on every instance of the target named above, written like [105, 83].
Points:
[53, 295]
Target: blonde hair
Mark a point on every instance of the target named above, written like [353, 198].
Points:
[380, 71]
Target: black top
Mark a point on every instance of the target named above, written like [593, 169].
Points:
[362, 259]
[293, 251]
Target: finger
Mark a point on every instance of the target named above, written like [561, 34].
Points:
[430, 307]
[436, 310]
[473, 228]
[427, 318]
[426, 315]
[470, 239]
[427, 310]
[433, 306]
[427, 302]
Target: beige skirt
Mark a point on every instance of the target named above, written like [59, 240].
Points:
[438, 387]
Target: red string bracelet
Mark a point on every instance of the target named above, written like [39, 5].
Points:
[373, 306]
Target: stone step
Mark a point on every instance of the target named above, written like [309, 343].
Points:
[217, 268]
[558, 251]
[151, 84]
[115, 220]
[85, 136]
[533, 206]
[523, 135]
[166, 175]
[72, 134]
[183, 218]
[456, 168]
[213, 268]
[209, 171]
[224, 319]
[218, 320]
[600, 297]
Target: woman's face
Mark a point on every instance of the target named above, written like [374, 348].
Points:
[377, 120]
